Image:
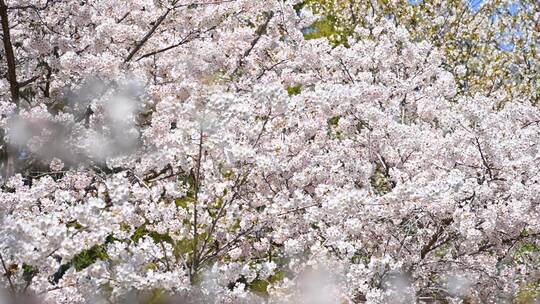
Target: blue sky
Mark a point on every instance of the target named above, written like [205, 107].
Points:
[512, 9]
[505, 41]
[473, 4]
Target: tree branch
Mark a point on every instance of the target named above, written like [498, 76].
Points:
[185, 40]
[28, 81]
[484, 160]
[10, 56]
[434, 238]
[261, 30]
[157, 23]
[194, 262]
[8, 273]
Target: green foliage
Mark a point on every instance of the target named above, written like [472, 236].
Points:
[157, 237]
[183, 202]
[155, 296]
[294, 90]
[441, 251]
[328, 26]
[319, 29]
[180, 247]
[529, 294]
[298, 6]
[227, 173]
[139, 233]
[189, 180]
[29, 272]
[189, 198]
[333, 130]
[379, 181]
[183, 246]
[186, 245]
[260, 287]
[87, 257]
[333, 121]
[83, 259]
[526, 251]
[74, 224]
[235, 226]
[359, 258]
[125, 227]
[526, 248]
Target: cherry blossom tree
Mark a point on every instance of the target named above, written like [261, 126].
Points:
[491, 46]
[206, 152]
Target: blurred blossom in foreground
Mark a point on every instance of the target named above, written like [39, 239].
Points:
[88, 127]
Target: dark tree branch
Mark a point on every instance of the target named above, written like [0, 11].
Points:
[434, 238]
[267, 69]
[209, 255]
[197, 175]
[123, 17]
[28, 81]
[157, 23]
[10, 160]
[261, 30]
[185, 40]
[8, 273]
[10, 56]
[484, 159]
[346, 70]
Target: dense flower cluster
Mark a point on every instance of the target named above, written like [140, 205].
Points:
[206, 151]
[489, 45]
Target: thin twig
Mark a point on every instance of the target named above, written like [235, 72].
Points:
[149, 34]
[8, 275]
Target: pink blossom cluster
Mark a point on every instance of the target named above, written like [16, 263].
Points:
[204, 150]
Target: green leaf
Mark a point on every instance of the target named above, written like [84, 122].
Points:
[29, 272]
[234, 227]
[139, 233]
[150, 266]
[156, 296]
[277, 276]
[298, 6]
[183, 246]
[124, 227]
[189, 180]
[259, 287]
[74, 224]
[87, 257]
[333, 121]
[183, 202]
[525, 249]
[528, 294]
[294, 90]
[161, 237]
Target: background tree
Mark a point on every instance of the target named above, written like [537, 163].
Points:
[206, 150]
[490, 46]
